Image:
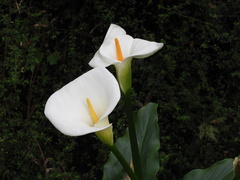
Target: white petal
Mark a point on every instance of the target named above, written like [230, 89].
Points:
[97, 61]
[142, 48]
[67, 107]
[108, 53]
[114, 31]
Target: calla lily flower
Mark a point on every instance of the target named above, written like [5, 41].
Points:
[83, 105]
[118, 49]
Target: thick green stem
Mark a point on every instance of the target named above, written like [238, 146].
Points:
[124, 76]
[132, 134]
[123, 162]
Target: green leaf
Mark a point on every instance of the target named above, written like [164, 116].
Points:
[53, 58]
[148, 140]
[222, 170]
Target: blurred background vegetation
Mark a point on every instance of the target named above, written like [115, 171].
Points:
[194, 78]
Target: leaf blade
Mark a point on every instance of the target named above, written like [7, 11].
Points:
[148, 140]
[222, 170]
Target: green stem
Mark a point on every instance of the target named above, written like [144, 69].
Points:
[123, 162]
[132, 134]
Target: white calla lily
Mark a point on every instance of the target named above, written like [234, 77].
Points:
[130, 47]
[83, 105]
[118, 49]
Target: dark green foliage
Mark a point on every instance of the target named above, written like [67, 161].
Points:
[194, 78]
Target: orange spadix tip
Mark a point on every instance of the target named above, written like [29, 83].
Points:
[118, 50]
[91, 111]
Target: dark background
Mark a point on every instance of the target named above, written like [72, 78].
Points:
[194, 78]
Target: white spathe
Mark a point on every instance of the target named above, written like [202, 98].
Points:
[131, 48]
[67, 108]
